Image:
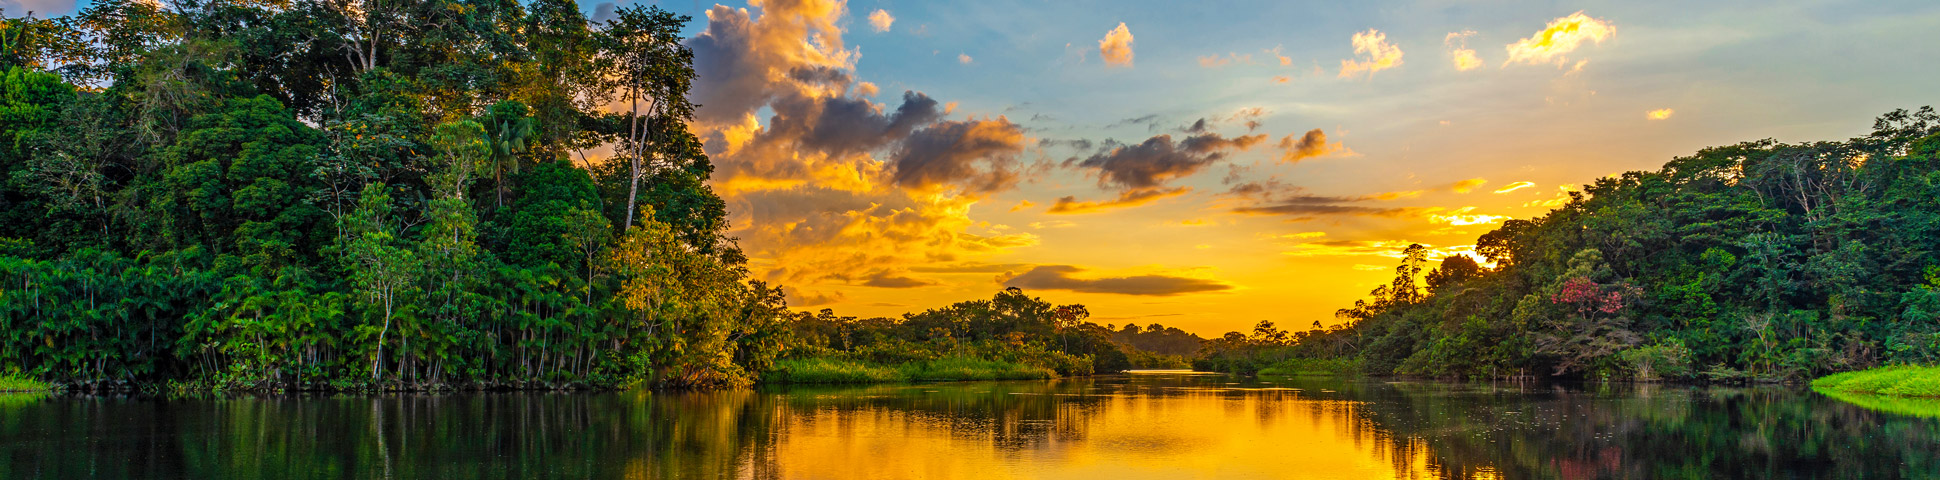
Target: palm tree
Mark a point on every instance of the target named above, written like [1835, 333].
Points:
[507, 127]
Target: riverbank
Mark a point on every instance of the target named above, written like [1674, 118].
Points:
[1899, 380]
[14, 383]
[948, 369]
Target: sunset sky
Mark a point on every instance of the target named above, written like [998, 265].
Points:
[1207, 166]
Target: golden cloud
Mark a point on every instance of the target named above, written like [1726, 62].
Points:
[1116, 47]
[1514, 186]
[1377, 54]
[833, 188]
[1309, 145]
[1071, 204]
[1466, 185]
[1659, 114]
[1459, 52]
[1559, 38]
[881, 20]
[1463, 216]
[1060, 277]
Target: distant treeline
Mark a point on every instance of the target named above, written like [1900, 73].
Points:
[1757, 261]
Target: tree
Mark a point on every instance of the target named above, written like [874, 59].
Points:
[654, 72]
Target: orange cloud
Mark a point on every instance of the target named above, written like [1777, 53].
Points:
[1022, 204]
[1284, 60]
[1116, 47]
[963, 58]
[1309, 145]
[881, 20]
[1216, 61]
[1559, 38]
[1466, 185]
[1514, 186]
[1659, 114]
[1463, 217]
[1377, 53]
[1071, 204]
[834, 188]
[1059, 277]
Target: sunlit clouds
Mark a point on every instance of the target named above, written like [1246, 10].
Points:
[1308, 145]
[1116, 47]
[1063, 277]
[1514, 186]
[1376, 54]
[1235, 174]
[1459, 52]
[1562, 36]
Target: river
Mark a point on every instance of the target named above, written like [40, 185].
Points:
[1119, 427]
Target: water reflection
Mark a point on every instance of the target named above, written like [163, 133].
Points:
[1120, 427]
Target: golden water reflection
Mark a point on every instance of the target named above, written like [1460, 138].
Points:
[1112, 427]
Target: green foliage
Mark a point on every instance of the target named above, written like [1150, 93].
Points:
[14, 382]
[272, 196]
[1760, 261]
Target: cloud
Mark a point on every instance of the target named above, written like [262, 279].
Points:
[1377, 54]
[884, 280]
[1371, 248]
[833, 188]
[1466, 185]
[799, 298]
[1216, 61]
[1271, 197]
[1559, 38]
[1022, 204]
[881, 20]
[1070, 204]
[1514, 186]
[1459, 52]
[979, 156]
[1116, 47]
[1282, 79]
[1284, 60]
[1059, 277]
[1463, 216]
[1157, 160]
[1659, 114]
[964, 58]
[1309, 145]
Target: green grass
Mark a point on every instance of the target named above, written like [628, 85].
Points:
[1899, 380]
[964, 368]
[1311, 367]
[831, 370]
[19, 383]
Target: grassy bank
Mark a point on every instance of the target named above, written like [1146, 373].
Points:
[1900, 380]
[831, 370]
[1312, 367]
[19, 383]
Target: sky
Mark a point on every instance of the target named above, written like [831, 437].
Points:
[1210, 165]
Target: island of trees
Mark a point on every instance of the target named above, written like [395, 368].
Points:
[306, 194]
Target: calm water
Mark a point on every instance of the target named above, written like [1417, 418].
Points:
[1116, 427]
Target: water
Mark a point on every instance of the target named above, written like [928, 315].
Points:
[1165, 425]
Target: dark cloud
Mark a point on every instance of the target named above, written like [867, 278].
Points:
[802, 298]
[979, 156]
[847, 125]
[1158, 159]
[1076, 143]
[972, 267]
[1071, 204]
[1314, 209]
[896, 281]
[1309, 145]
[603, 12]
[1058, 277]
[1149, 121]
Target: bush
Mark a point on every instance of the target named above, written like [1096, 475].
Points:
[1902, 380]
[20, 383]
[829, 370]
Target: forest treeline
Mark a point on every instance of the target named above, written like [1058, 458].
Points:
[333, 194]
[1761, 261]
